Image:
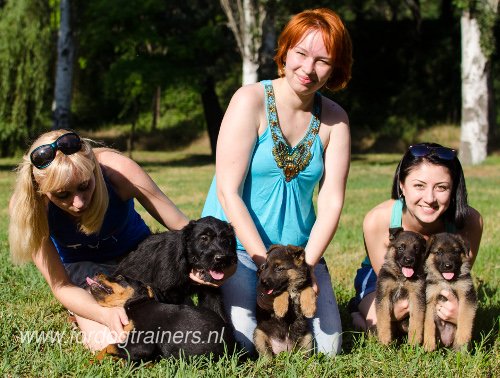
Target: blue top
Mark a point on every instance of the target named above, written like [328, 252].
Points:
[282, 210]
[397, 221]
[122, 230]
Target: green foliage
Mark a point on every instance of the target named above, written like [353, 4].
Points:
[26, 45]
[142, 45]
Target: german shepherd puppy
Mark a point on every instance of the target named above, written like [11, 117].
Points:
[285, 279]
[159, 330]
[448, 267]
[401, 276]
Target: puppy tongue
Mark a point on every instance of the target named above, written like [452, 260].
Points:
[407, 272]
[269, 292]
[91, 282]
[448, 275]
[216, 275]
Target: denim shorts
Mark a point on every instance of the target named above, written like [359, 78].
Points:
[79, 271]
[365, 282]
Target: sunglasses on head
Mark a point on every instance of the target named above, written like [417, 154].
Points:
[421, 150]
[43, 155]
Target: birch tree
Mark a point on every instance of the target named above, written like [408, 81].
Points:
[476, 23]
[246, 20]
[64, 69]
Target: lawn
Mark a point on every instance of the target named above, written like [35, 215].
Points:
[28, 308]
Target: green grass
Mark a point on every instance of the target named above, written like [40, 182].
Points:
[27, 304]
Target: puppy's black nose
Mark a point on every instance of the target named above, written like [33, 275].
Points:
[409, 260]
[448, 266]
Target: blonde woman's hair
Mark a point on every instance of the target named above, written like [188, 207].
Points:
[28, 226]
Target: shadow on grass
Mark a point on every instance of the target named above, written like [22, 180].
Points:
[190, 160]
[8, 167]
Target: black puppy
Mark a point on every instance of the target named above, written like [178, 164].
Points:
[158, 330]
[164, 260]
[281, 321]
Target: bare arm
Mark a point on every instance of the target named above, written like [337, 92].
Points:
[333, 183]
[472, 232]
[73, 297]
[376, 233]
[130, 181]
[237, 136]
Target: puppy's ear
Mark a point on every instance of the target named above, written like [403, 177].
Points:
[464, 243]
[299, 254]
[394, 232]
[187, 229]
[273, 247]
[429, 244]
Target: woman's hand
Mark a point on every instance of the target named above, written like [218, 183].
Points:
[195, 276]
[447, 309]
[314, 282]
[401, 309]
[115, 318]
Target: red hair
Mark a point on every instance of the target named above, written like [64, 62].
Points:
[335, 36]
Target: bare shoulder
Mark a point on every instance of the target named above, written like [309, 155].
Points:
[118, 168]
[379, 217]
[332, 113]
[474, 222]
[251, 95]
[110, 158]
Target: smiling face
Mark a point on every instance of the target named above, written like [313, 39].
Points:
[308, 64]
[75, 197]
[427, 191]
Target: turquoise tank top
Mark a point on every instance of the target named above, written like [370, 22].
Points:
[281, 207]
[397, 221]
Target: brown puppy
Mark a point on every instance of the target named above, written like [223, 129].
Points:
[286, 280]
[400, 277]
[448, 267]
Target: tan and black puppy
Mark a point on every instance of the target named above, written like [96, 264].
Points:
[402, 277]
[448, 268]
[158, 330]
[285, 280]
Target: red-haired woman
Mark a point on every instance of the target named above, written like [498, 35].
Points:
[278, 140]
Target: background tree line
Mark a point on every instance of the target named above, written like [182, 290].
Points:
[165, 70]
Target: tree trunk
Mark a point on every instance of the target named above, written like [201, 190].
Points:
[246, 18]
[267, 67]
[475, 92]
[64, 70]
[213, 112]
[156, 108]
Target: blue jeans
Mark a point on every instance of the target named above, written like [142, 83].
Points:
[239, 293]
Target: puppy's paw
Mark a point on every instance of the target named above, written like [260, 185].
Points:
[280, 304]
[308, 302]
[110, 350]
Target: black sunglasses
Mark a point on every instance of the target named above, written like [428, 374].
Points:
[43, 155]
[421, 150]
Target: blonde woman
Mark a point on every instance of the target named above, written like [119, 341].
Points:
[72, 213]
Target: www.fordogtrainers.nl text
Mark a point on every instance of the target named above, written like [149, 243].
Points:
[145, 337]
